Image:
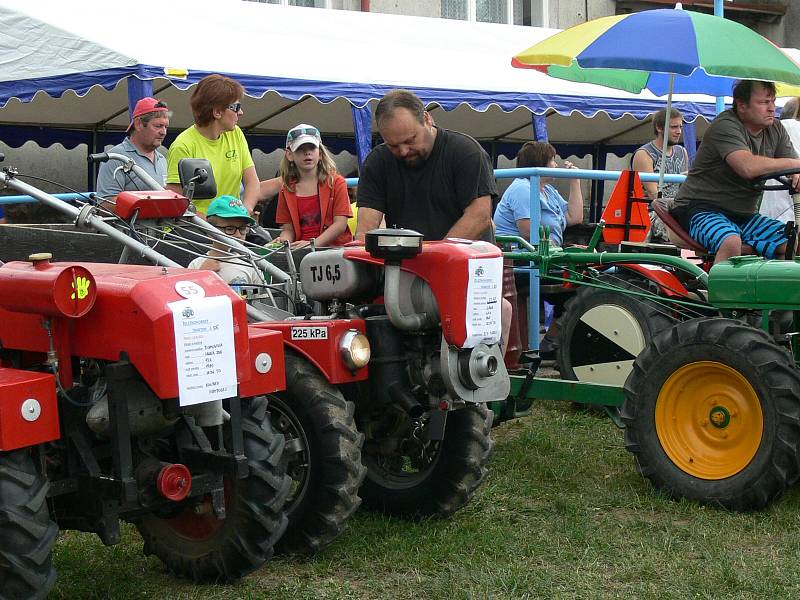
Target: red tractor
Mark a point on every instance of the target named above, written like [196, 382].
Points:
[135, 393]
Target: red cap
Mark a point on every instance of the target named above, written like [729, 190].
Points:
[145, 106]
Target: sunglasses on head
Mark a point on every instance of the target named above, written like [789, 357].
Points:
[296, 133]
[160, 104]
[235, 107]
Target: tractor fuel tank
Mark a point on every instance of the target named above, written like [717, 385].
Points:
[327, 274]
[753, 282]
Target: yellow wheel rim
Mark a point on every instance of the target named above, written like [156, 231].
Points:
[709, 420]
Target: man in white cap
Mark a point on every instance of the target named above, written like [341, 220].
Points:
[146, 132]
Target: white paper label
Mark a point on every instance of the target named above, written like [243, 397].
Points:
[484, 296]
[204, 349]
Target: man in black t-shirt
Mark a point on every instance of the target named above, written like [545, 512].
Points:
[431, 180]
[434, 181]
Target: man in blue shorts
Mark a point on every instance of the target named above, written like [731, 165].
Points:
[718, 204]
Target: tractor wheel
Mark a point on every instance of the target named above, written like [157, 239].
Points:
[603, 330]
[712, 414]
[26, 544]
[323, 454]
[430, 478]
[195, 543]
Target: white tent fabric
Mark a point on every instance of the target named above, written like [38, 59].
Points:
[67, 65]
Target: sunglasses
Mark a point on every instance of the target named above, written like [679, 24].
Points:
[231, 229]
[235, 107]
[160, 104]
[296, 133]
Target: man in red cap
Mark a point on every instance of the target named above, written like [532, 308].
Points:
[146, 132]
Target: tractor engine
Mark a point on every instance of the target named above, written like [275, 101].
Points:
[432, 315]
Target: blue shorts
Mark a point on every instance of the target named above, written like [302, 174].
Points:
[763, 234]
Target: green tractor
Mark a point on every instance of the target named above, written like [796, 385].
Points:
[711, 407]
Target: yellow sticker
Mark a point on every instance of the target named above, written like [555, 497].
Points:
[81, 286]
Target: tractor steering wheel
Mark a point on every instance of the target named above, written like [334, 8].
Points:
[782, 177]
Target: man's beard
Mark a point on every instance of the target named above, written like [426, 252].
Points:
[415, 162]
[670, 143]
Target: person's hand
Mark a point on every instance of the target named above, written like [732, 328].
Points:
[569, 165]
[299, 244]
[796, 183]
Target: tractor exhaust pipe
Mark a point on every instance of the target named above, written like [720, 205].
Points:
[387, 366]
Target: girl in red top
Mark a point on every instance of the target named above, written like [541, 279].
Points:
[313, 201]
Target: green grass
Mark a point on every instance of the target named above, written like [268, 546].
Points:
[563, 514]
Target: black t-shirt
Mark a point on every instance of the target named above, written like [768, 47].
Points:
[429, 199]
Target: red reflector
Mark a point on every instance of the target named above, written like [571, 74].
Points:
[444, 405]
[174, 482]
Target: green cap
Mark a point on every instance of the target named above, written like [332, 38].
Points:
[229, 207]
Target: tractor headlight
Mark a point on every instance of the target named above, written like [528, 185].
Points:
[354, 349]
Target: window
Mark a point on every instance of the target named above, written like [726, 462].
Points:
[535, 13]
[518, 12]
[308, 3]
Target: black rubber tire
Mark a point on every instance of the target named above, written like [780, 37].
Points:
[767, 368]
[254, 521]
[584, 352]
[28, 533]
[323, 453]
[451, 479]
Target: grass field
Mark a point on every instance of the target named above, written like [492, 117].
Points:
[563, 514]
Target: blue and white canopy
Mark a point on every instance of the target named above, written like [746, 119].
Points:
[76, 65]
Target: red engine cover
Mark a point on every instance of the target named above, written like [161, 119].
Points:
[444, 265]
[28, 409]
[131, 317]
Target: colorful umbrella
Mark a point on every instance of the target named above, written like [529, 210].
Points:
[665, 51]
[643, 50]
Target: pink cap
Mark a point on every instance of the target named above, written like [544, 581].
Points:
[146, 106]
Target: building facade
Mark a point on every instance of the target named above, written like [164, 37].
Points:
[778, 20]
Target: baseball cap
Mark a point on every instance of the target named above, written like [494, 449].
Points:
[145, 106]
[302, 134]
[228, 207]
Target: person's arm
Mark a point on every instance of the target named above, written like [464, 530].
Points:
[175, 187]
[269, 188]
[252, 188]
[337, 228]
[287, 233]
[476, 219]
[642, 163]
[524, 226]
[749, 166]
[575, 202]
[368, 219]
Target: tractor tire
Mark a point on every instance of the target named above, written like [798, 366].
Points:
[323, 456]
[712, 414]
[26, 544]
[204, 548]
[402, 484]
[603, 330]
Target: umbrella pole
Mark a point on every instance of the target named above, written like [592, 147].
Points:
[664, 144]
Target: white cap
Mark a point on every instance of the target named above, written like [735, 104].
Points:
[302, 134]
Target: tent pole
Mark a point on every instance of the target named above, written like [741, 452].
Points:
[665, 143]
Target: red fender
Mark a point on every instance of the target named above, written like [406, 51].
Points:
[666, 280]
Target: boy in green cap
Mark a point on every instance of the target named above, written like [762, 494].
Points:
[228, 214]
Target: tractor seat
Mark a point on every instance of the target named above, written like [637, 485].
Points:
[677, 234]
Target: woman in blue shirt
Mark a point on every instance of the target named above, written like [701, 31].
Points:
[513, 213]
